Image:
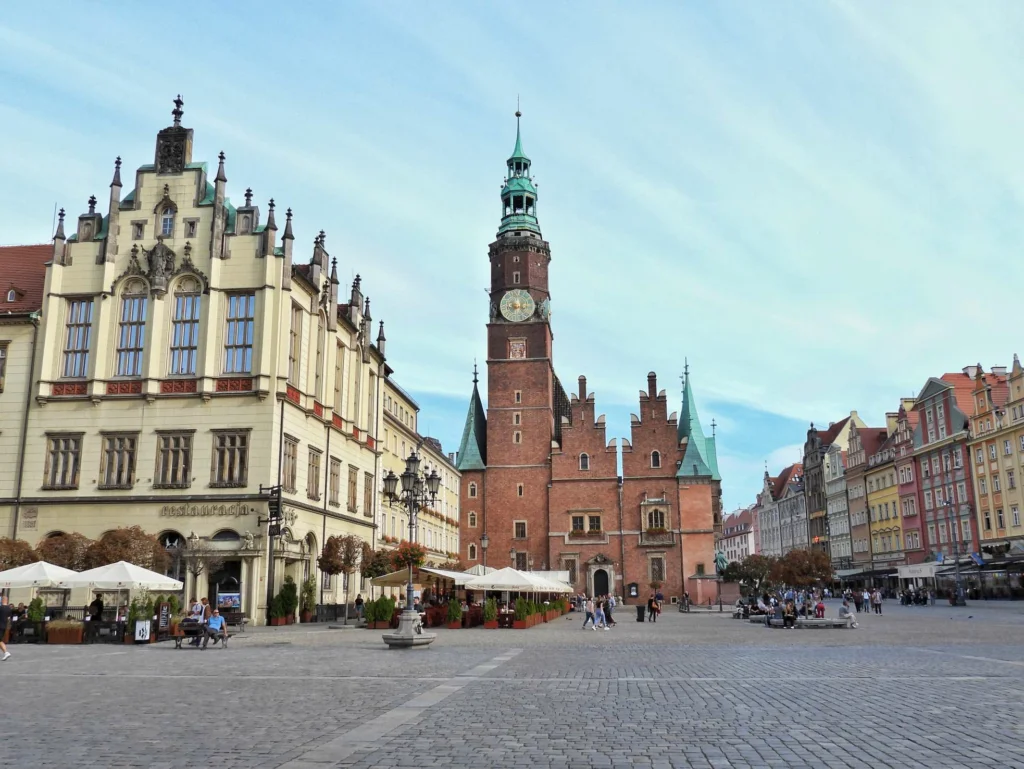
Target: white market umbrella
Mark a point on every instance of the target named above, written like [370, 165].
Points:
[122, 576]
[480, 569]
[505, 579]
[38, 574]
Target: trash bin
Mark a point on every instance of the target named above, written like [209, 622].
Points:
[640, 612]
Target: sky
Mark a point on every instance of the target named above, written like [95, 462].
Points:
[817, 204]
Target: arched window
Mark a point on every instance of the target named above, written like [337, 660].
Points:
[656, 519]
[132, 329]
[472, 490]
[472, 552]
[584, 461]
[245, 225]
[167, 222]
[225, 535]
[10, 295]
[185, 327]
[655, 459]
[472, 520]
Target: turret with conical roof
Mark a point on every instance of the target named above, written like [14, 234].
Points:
[473, 449]
[701, 456]
[518, 194]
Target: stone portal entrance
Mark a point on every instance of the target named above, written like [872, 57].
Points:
[601, 582]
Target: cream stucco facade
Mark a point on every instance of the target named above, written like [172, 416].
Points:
[184, 361]
[438, 528]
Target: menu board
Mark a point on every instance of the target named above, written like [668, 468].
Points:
[164, 616]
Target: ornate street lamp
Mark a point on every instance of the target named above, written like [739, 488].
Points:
[484, 542]
[417, 491]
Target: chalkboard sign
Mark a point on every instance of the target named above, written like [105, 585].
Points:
[164, 614]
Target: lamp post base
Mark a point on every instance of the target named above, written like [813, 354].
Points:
[410, 632]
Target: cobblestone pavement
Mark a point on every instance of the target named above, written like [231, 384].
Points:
[917, 687]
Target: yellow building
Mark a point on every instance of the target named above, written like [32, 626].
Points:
[438, 528]
[184, 361]
[997, 455]
[883, 504]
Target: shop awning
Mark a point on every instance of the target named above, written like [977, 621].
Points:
[516, 581]
[847, 573]
[420, 576]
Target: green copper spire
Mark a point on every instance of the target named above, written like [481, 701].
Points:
[701, 456]
[473, 449]
[518, 195]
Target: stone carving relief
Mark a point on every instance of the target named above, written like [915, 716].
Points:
[161, 266]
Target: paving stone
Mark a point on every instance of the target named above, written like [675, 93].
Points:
[916, 687]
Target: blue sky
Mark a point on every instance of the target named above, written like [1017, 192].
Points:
[794, 196]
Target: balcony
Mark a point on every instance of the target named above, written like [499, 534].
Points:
[580, 537]
[657, 537]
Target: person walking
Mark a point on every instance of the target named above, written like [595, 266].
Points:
[650, 608]
[589, 608]
[599, 620]
[876, 599]
[5, 623]
[609, 604]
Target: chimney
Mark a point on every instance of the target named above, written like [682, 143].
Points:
[652, 385]
[583, 389]
[971, 371]
[999, 370]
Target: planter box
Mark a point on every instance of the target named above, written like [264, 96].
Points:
[305, 616]
[290, 619]
[378, 625]
[64, 636]
[455, 625]
[278, 621]
[491, 624]
[519, 624]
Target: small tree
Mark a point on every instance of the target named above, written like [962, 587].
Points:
[67, 550]
[200, 558]
[129, 544]
[754, 572]
[376, 565]
[15, 553]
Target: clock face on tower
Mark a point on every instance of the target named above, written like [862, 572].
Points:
[517, 305]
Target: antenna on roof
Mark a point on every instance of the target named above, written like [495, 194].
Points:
[53, 223]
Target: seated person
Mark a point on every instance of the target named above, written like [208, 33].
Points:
[789, 615]
[762, 606]
[215, 628]
[819, 609]
[845, 613]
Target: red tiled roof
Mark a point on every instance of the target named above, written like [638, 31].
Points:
[963, 390]
[830, 434]
[871, 438]
[785, 477]
[23, 268]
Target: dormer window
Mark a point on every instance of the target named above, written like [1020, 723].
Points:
[167, 222]
[138, 230]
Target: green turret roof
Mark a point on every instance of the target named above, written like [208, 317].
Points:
[518, 195]
[473, 449]
[517, 153]
[701, 456]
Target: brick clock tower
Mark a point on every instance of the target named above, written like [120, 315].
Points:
[531, 517]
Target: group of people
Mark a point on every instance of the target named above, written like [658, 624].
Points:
[865, 600]
[210, 621]
[598, 611]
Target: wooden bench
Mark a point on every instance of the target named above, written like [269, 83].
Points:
[235, 619]
[195, 630]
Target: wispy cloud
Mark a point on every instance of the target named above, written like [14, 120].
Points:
[796, 201]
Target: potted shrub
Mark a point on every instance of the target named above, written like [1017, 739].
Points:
[490, 614]
[454, 614]
[522, 614]
[308, 602]
[64, 631]
[289, 599]
[277, 612]
[379, 613]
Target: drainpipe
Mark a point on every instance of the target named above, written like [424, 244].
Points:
[622, 547]
[34, 318]
[327, 481]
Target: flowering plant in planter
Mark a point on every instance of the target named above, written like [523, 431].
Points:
[581, 534]
[408, 554]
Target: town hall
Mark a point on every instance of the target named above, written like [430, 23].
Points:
[541, 484]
